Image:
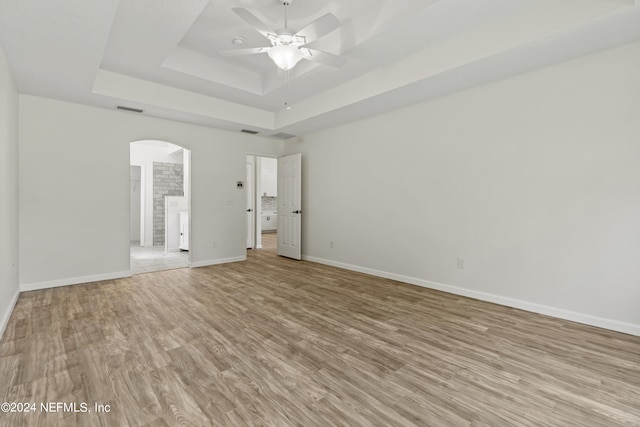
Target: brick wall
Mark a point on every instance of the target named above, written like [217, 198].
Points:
[269, 203]
[167, 181]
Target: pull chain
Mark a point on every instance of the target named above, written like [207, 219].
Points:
[286, 83]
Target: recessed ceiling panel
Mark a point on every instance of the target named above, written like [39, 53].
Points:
[163, 56]
[207, 68]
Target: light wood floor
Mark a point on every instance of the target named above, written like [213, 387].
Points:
[270, 241]
[278, 342]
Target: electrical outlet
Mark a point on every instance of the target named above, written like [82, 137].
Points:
[460, 263]
[331, 244]
[215, 244]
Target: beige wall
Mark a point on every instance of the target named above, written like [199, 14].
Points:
[74, 189]
[534, 181]
[8, 192]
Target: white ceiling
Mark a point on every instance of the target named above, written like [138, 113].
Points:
[162, 56]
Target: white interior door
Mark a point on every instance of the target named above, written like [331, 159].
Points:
[251, 230]
[289, 205]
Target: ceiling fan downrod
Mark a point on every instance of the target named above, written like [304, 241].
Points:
[285, 3]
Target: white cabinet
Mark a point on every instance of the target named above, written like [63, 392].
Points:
[184, 231]
[269, 222]
[269, 183]
[269, 176]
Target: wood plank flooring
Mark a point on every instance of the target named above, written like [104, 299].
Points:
[276, 342]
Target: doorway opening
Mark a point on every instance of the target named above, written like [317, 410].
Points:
[160, 204]
[262, 202]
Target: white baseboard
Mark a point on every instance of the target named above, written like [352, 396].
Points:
[5, 318]
[73, 281]
[587, 319]
[217, 261]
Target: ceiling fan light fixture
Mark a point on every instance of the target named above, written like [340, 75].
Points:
[285, 56]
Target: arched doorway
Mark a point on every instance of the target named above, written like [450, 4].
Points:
[160, 206]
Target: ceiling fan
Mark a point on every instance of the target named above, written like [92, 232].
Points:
[288, 48]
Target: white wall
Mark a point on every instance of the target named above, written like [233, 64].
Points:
[186, 170]
[8, 192]
[534, 181]
[73, 230]
[143, 153]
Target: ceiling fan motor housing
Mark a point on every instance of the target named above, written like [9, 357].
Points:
[289, 47]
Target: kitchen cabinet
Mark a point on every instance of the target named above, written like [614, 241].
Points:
[269, 183]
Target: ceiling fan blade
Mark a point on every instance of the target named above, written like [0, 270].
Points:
[241, 52]
[253, 20]
[325, 58]
[319, 28]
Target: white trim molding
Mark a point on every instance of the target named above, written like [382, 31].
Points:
[587, 319]
[73, 281]
[5, 319]
[208, 262]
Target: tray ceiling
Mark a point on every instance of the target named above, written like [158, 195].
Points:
[162, 56]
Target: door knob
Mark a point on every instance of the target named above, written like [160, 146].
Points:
[249, 210]
[297, 212]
